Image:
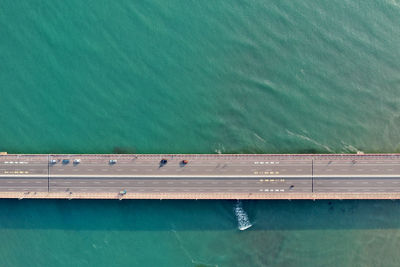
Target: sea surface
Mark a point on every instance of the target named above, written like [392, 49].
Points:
[237, 76]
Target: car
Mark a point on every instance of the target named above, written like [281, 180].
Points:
[77, 161]
[65, 161]
[53, 161]
[113, 161]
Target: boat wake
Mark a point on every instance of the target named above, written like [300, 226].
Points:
[189, 256]
[241, 216]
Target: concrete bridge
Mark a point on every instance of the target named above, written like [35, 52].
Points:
[201, 176]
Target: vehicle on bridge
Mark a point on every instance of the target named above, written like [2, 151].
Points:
[163, 162]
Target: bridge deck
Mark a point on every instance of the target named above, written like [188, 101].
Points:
[204, 176]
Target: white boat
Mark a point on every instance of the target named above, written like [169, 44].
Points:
[243, 220]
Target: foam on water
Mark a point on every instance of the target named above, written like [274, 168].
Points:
[242, 217]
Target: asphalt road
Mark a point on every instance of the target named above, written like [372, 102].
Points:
[267, 174]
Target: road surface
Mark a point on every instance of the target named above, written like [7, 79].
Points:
[204, 176]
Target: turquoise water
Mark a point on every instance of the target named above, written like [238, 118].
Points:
[198, 233]
[199, 77]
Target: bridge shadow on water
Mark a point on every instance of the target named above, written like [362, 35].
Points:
[201, 215]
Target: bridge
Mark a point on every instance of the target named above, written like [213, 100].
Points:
[200, 176]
